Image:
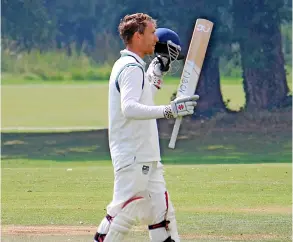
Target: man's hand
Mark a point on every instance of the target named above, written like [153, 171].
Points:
[164, 63]
[181, 106]
[157, 68]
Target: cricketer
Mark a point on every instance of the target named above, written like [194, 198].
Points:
[139, 186]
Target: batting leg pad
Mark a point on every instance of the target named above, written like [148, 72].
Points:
[172, 226]
[164, 222]
[132, 210]
[158, 229]
[105, 224]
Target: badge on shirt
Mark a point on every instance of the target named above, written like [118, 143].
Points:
[145, 169]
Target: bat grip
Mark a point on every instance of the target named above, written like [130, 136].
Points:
[175, 133]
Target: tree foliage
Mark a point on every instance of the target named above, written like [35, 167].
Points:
[28, 23]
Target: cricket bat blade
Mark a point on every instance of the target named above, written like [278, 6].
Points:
[192, 67]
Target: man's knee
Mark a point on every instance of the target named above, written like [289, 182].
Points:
[160, 206]
[132, 210]
[164, 222]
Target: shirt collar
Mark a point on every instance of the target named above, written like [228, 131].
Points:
[137, 57]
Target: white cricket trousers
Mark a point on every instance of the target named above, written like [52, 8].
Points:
[146, 181]
[138, 178]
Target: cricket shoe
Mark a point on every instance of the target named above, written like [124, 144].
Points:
[99, 237]
[169, 240]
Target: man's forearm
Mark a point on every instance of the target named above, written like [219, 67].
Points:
[134, 110]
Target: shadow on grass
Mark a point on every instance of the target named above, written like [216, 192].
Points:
[213, 147]
[67, 146]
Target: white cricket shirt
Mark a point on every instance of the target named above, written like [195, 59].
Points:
[133, 132]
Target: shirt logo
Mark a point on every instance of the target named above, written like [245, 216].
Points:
[145, 169]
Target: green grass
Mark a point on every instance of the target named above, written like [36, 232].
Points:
[229, 178]
[51, 66]
[53, 106]
[19, 79]
[227, 184]
[57, 66]
[74, 105]
[68, 103]
[253, 199]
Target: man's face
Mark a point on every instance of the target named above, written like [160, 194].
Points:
[148, 39]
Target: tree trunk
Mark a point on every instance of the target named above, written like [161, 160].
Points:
[265, 86]
[211, 100]
[257, 27]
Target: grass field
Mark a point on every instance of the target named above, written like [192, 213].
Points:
[226, 185]
[47, 104]
[74, 105]
[230, 178]
[213, 202]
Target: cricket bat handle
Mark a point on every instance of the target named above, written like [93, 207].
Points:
[175, 133]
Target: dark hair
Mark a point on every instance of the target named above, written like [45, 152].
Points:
[133, 23]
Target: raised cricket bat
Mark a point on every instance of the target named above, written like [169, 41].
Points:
[192, 66]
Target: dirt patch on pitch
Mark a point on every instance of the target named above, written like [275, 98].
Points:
[48, 230]
[240, 237]
[283, 210]
[267, 210]
[90, 230]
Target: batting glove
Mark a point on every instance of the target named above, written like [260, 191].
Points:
[157, 68]
[181, 106]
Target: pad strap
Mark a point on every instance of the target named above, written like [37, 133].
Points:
[109, 218]
[163, 224]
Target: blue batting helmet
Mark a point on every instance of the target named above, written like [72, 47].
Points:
[165, 34]
[168, 39]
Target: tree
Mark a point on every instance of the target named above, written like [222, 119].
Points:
[27, 23]
[257, 29]
[75, 22]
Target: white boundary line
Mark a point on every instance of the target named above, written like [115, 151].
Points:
[74, 128]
